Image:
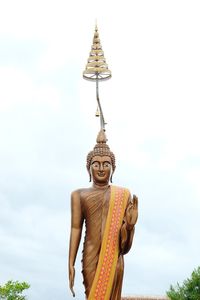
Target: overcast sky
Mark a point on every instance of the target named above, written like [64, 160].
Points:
[47, 127]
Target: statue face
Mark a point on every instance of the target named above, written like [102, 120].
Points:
[101, 168]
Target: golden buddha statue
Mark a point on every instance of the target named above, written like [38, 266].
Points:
[110, 214]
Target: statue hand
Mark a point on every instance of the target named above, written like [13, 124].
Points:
[132, 213]
[71, 279]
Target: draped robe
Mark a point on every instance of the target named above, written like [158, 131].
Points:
[95, 206]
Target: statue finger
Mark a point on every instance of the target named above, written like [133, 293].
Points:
[72, 290]
[135, 201]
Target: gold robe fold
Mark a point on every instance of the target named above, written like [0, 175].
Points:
[109, 260]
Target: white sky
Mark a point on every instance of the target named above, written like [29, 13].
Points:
[47, 126]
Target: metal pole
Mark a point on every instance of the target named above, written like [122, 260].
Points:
[102, 121]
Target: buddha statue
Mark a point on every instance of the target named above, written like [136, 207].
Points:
[110, 214]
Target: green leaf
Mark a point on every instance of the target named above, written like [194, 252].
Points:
[12, 290]
[189, 290]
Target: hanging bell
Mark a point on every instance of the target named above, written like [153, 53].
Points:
[97, 114]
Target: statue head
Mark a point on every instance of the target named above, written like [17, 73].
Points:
[101, 161]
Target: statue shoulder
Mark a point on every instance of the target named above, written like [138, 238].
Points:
[77, 194]
[124, 188]
[131, 197]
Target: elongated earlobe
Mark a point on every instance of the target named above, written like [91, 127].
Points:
[90, 177]
[111, 177]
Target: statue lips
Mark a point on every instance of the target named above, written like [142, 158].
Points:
[101, 174]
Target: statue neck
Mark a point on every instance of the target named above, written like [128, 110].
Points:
[100, 186]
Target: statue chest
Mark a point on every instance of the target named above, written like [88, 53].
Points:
[95, 209]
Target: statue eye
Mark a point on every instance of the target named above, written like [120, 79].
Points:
[106, 165]
[95, 164]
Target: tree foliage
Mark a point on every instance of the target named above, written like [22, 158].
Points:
[13, 290]
[189, 290]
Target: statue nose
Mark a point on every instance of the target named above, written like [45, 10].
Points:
[101, 167]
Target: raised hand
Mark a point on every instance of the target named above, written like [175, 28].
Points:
[132, 213]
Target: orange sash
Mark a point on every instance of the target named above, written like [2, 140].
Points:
[104, 276]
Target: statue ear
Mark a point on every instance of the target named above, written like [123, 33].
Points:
[111, 177]
[90, 176]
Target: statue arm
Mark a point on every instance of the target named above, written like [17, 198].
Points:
[128, 226]
[75, 237]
